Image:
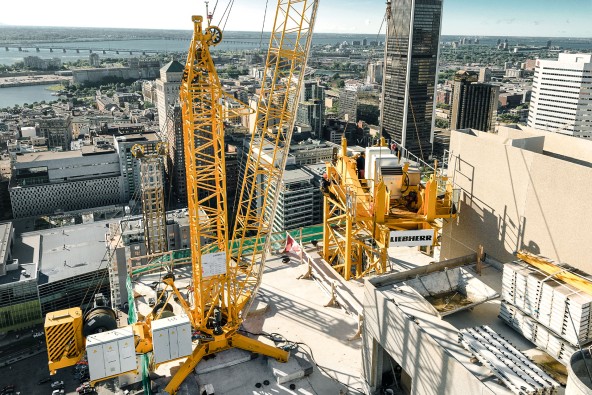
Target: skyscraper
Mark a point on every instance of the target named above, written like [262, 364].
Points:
[411, 63]
[348, 104]
[473, 104]
[311, 109]
[167, 91]
[561, 99]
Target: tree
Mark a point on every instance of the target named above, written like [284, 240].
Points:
[442, 123]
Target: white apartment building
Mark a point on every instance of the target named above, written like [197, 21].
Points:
[562, 95]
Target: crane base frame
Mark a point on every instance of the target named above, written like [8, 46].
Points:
[222, 343]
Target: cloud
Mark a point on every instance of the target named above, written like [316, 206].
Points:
[537, 23]
[367, 21]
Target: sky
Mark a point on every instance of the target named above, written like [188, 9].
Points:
[548, 18]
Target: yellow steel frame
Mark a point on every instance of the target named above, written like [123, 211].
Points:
[285, 66]
[153, 209]
[358, 223]
[203, 137]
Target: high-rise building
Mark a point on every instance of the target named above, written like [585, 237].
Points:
[167, 90]
[561, 98]
[410, 75]
[311, 109]
[484, 74]
[348, 104]
[176, 151]
[295, 204]
[473, 103]
[129, 165]
[374, 73]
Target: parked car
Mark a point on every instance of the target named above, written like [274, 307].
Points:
[57, 385]
[38, 334]
[58, 392]
[87, 390]
[83, 386]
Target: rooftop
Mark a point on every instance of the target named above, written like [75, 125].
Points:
[132, 137]
[293, 308]
[172, 67]
[57, 155]
[71, 251]
[295, 175]
[541, 142]
[27, 250]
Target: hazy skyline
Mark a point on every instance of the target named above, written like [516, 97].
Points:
[548, 18]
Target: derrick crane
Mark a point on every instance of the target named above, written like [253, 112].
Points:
[225, 275]
[361, 215]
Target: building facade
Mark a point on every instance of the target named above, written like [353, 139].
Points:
[167, 90]
[57, 131]
[509, 184]
[45, 183]
[348, 104]
[562, 95]
[176, 152]
[473, 104]
[19, 299]
[311, 109]
[295, 204]
[410, 74]
[130, 166]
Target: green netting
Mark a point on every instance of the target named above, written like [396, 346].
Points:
[145, 360]
[164, 259]
[302, 235]
[132, 318]
[131, 313]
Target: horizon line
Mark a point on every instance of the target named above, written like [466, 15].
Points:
[259, 32]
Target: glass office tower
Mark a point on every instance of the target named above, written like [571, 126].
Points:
[410, 74]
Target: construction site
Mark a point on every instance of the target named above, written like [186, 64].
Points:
[424, 278]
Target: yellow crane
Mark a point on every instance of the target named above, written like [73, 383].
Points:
[362, 215]
[226, 273]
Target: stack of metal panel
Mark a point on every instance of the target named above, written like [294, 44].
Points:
[537, 333]
[549, 312]
[512, 367]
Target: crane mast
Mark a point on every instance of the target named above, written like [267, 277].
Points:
[284, 73]
[203, 137]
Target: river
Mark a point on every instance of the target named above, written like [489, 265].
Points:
[25, 94]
